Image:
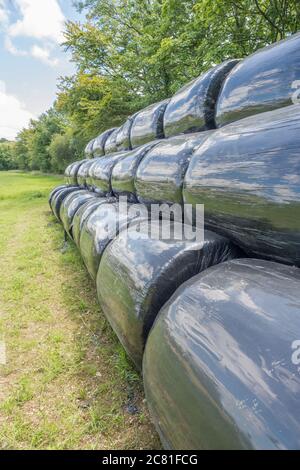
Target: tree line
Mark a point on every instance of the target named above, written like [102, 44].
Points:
[130, 53]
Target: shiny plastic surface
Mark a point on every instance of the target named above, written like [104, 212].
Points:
[83, 213]
[124, 172]
[89, 149]
[110, 145]
[83, 172]
[70, 205]
[123, 140]
[148, 124]
[58, 198]
[54, 191]
[72, 170]
[247, 175]
[100, 173]
[99, 143]
[218, 365]
[192, 108]
[263, 81]
[160, 175]
[98, 231]
[138, 274]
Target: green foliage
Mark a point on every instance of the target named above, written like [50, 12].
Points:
[130, 53]
[6, 155]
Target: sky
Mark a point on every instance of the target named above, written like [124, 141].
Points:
[31, 59]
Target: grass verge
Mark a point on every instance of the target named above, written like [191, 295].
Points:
[67, 383]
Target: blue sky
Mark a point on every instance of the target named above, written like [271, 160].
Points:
[31, 58]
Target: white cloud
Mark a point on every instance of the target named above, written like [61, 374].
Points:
[3, 14]
[13, 115]
[10, 47]
[40, 19]
[43, 54]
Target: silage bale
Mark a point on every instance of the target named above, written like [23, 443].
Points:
[72, 170]
[99, 143]
[89, 149]
[99, 230]
[70, 206]
[192, 108]
[124, 172]
[218, 365]
[266, 80]
[83, 173]
[53, 192]
[159, 177]
[247, 175]
[58, 198]
[110, 145]
[100, 173]
[138, 273]
[82, 214]
[148, 124]
[123, 140]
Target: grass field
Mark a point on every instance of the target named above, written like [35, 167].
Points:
[66, 383]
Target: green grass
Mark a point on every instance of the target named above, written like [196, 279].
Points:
[67, 382]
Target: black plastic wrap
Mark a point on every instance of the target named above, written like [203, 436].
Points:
[58, 198]
[99, 143]
[159, 177]
[98, 231]
[83, 213]
[138, 274]
[192, 108]
[123, 140]
[72, 170]
[218, 365]
[70, 206]
[83, 173]
[124, 172]
[53, 192]
[262, 82]
[100, 173]
[148, 124]
[110, 145]
[247, 175]
[89, 149]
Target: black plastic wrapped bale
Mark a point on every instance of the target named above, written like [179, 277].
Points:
[54, 191]
[67, 173]
[247, 175]
[58, 198]
[100, 173]
[138, 273]
[110, 145]
[99, 230]
[83, 213]
[99, 143]
[83, 173]
[148, 124]
[124, 172]
[70, 206]
[160, 175]
[192, 108]
[71, 172]
[123, 140]
[264, 81]
[220, 365]
[89, 149]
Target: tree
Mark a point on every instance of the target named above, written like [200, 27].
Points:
[6, 155]
[63, 150]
